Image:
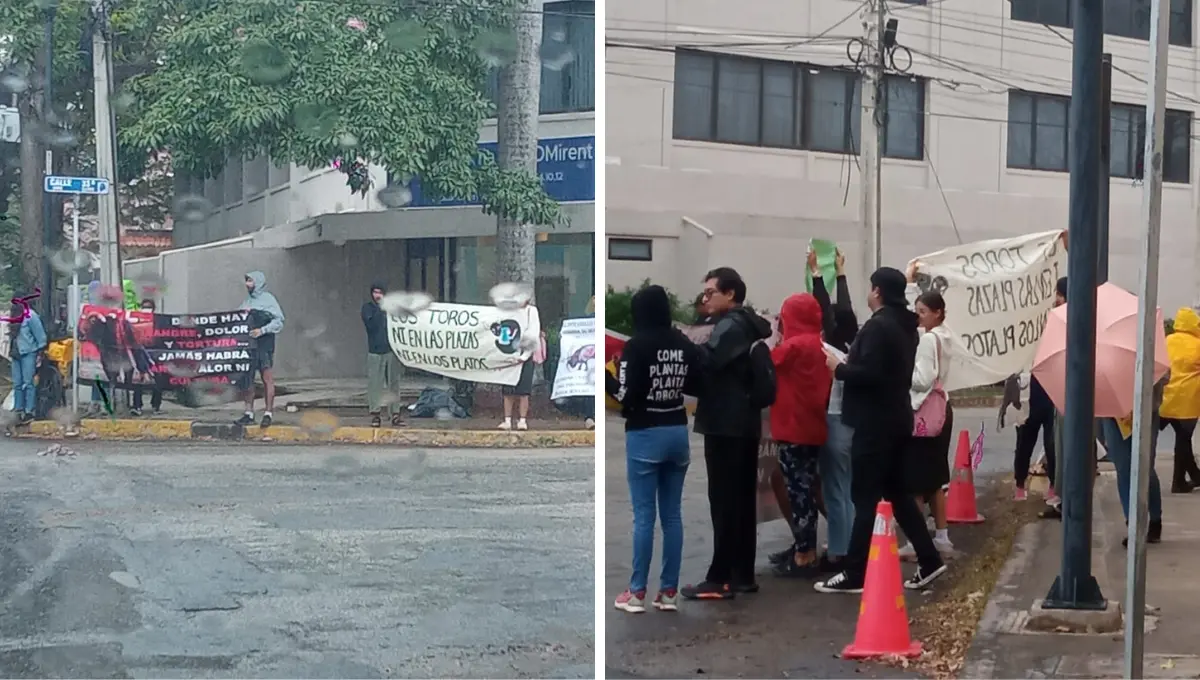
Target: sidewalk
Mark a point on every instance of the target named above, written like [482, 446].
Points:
[330, 410]
[786, 630]
[1003, 649]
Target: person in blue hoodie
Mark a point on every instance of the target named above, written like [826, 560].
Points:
[27, 341]
[266, 320]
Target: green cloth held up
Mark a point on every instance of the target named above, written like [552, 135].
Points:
[827, 262]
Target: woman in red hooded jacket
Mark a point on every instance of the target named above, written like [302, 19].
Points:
[798, 423]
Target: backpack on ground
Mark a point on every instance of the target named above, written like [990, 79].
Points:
[762, 376]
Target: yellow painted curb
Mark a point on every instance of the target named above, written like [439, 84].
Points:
[119, 429]
[156, 430]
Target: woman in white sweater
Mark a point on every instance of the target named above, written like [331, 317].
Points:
[927, 469]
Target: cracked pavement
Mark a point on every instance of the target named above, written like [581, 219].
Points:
[176, 560]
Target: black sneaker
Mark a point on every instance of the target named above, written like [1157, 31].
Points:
[840, 582]
[782, 556]
[828, 566]
[924, 577]
[707, 591]
[376, 421]
[245, 421]
[790, 569]
[25, 419]
[135, 412]
[745, 588]
[1051, 512]
[1154, 531]
[266, 421]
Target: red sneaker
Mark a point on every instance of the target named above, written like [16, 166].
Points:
[628, 601]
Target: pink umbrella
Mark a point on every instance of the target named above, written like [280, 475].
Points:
[1116, 352]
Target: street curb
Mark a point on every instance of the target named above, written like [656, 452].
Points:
[184, 430]
[964, 401]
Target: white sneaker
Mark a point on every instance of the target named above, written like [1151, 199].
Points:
[589, 424]
[522, 425]
[506, 424]
[908, 553]
[944, 546]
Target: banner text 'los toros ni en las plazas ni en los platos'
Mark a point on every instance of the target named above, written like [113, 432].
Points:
[170, 351]
[997, 293]
[475, 343]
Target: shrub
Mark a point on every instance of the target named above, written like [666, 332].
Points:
[618, 309]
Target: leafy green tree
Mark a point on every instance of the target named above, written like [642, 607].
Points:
[394, 83]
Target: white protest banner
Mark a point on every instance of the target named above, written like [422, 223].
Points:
[5, 340]
[467, 342]
[997, 294]
[576, 374]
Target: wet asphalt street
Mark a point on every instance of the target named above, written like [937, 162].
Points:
[786, 630]
[157, 560]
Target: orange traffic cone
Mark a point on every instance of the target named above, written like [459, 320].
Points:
[882, 616]
[960, 505]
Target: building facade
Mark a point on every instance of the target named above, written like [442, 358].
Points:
[322, 247]
[733, 141]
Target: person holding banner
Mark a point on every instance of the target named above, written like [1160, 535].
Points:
[877, 403]
[798, 424]
[928, 455]
[657, 366]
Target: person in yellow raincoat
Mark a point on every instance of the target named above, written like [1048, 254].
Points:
[1181, 398]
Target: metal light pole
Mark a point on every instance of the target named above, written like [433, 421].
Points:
[47, 200]
[1144, 431]
[1105, 162]
[1076, 587]
[74, 301]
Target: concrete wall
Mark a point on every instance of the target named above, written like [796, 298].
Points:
[762, 205]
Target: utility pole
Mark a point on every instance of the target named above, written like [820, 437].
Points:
[1076, 587]
[517, 139]
[1105, 160]
[47, 115]
[873, 122]
[1149, 326]
[106, 157]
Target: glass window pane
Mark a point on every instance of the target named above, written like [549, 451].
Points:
[1181, 22]
[1050, 135]
[693, 96]
[1020, 130]
[1177, 147]
[779, 96]
[1119, 19]
[1121, 136]
[738, 100]
[825, 111]
[636, 249]
[905, 122]
[855, 114]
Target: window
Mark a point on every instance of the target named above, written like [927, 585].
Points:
[783, 104]
[1038, 137]
[1037, 131]
[568, 58]
[254, 174]
[1127, 18]
[633, 249]
[1127, 141]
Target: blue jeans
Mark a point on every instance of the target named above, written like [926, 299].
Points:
[24, 393]
[834, 468]
[1120, 452]
[657, 460]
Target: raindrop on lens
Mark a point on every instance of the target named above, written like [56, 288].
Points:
[149, 286]
[510, 296]
[110, 296]
[123, 101]
[314, 120]
[496, 48]
[312, 332]
[14, 81]
[318, 422]
[208, 393]
[190, 208]
[64, 417]
[405, 35]
[347, 140]
[402, 303]
[556, 54]
[395, 196]
[183, 368]
[265, 63]
[68, 261]
[443, 414]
